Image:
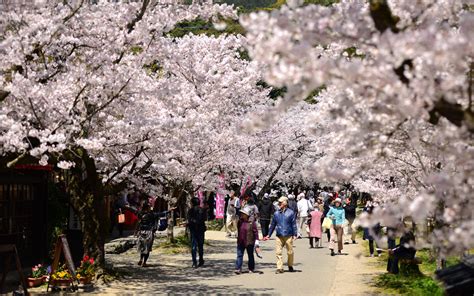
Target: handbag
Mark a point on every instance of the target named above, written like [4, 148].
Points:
[162, 224]
[121, 217]
[327, 222]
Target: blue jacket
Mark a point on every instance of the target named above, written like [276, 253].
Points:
[284, 222]
[337, 215]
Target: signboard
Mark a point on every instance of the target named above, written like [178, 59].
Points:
[220, 198]
[62, 246]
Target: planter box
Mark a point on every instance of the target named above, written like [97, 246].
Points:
[35, 282]
[85, 280]
[61, 283]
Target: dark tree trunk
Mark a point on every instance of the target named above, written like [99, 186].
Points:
[87, 198]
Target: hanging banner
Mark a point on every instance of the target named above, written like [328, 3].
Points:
[220, 198]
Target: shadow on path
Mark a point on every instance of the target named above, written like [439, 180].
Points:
[173, 274]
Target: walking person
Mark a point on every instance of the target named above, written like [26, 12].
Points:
[292, 204]
[326, 208]
[350, 212]
[314, 223]
[337, 214]
[146, 228]
[284, 221]
[197, 228]
[369, 233]
[231, 214]
[252, 208]
[304, 208]
[247, 239]
[266, 210]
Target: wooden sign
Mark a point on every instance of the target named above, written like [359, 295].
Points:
[62, 247]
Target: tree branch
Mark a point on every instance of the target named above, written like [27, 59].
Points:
[115, 96]
[120, 169]
[35, 114]
[67, 18]
[140, 14]
[3, 95]
[469, 88]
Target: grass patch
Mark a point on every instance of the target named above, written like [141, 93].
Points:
[180, 245]
[421, 285]
[401, 285]
[215, 225]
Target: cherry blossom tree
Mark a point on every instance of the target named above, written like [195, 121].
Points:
[399, 78]
[83, 83]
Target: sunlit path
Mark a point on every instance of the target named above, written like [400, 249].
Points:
[315, 272]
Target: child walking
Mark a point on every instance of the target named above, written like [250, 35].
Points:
[247, 238]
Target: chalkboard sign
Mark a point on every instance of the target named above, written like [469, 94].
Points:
[62, 246]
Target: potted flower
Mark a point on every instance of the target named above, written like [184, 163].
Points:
[37, 273]
[62, 277]
[86, 271]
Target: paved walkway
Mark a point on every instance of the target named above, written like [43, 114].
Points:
[317, 272]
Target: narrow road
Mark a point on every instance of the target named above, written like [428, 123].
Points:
[317, 273]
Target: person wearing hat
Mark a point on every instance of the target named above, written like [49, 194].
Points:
[266, 209]
[247, 238]
[284, 221]
[337, 214]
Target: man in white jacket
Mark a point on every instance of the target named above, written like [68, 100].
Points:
[304, 205]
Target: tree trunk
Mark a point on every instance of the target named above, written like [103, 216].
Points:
[86, 193]
[170, 231]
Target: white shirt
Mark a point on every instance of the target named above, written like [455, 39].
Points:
[303, 206]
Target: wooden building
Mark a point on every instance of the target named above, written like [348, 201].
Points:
[23, 210]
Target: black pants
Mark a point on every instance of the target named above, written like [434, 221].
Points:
[197, 246]
[401, 253]
[371, 247]
[391, 244]
[265, 223]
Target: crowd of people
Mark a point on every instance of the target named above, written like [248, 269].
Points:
[315, 216]
[293, 217]
[290, 217]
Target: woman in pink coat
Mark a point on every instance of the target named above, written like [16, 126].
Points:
[315, 228]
